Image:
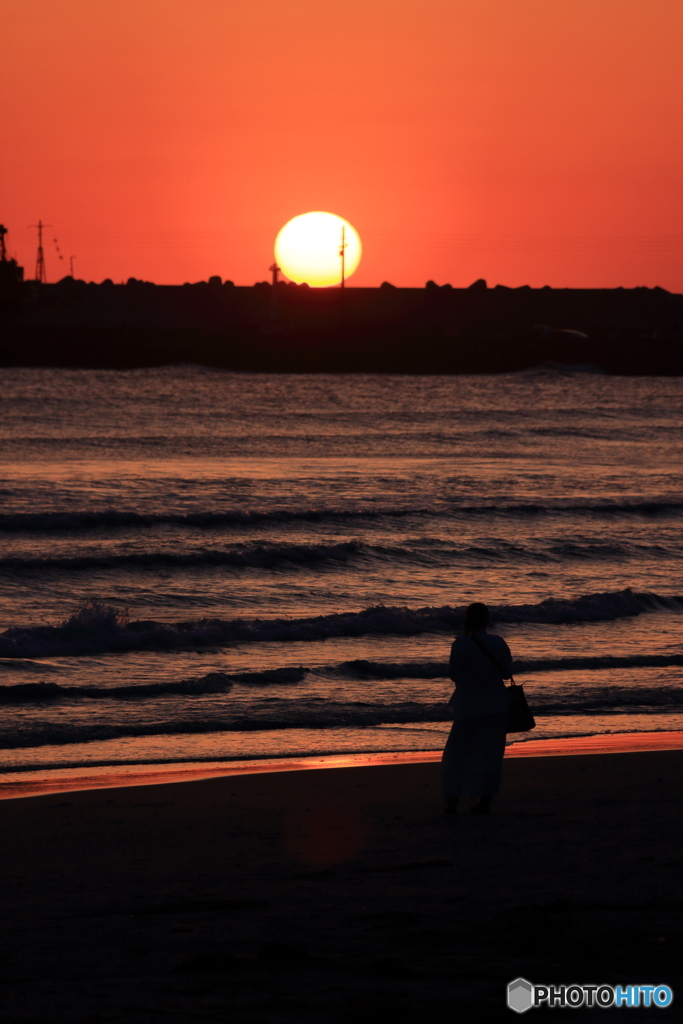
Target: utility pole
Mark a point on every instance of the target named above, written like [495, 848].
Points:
[71, 265]
[342, 253]
[342, 256]
[3, 247]
[41, 275]
[274, 308]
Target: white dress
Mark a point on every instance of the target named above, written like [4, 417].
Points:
[473, 758]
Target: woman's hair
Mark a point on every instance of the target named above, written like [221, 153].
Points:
[476, 617]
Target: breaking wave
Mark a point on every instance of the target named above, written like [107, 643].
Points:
[97, 628]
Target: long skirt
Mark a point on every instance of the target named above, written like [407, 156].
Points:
[472, 761]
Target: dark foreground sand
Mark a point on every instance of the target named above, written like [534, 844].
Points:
[343, 895]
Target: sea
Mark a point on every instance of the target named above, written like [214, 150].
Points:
[200, 565]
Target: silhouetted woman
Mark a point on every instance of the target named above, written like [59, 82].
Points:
[473, 759]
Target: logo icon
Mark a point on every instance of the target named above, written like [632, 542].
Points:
[520, 995]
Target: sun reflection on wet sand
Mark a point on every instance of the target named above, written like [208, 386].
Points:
[39, 783]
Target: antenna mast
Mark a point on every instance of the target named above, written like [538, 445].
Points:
[41, 274]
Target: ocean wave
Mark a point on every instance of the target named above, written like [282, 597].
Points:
[611, 700]
[275, 556]
[48, 522]
[331, 716]
[32, 693]
[256, 556]
[598, 662]
[214, 682]
[601, 549]
[357, 670]
[97, 628]
[23, 665]
[64, 522]
[377, 670]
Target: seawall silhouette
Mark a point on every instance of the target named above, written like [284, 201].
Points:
[299, 329]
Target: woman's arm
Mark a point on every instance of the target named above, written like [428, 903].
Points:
[451, 675]
[451, 663]
[505, 659]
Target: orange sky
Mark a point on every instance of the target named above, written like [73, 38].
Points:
[524, 141]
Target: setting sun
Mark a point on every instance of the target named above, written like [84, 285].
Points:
[307, 249]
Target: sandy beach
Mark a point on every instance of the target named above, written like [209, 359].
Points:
[341, 894]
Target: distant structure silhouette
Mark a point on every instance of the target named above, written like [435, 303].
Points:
[11, 277]
[342, 254]
[41, 274]
[297, 329]
[274, 308]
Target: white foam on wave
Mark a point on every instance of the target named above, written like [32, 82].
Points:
[100, 628]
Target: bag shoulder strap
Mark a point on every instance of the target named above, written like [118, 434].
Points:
[488, 655]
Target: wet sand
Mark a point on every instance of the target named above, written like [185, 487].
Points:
[63, 780]
[342, 894]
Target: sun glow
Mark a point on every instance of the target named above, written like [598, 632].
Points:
[307, 249]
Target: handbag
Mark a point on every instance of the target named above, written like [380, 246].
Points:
[520, 718]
